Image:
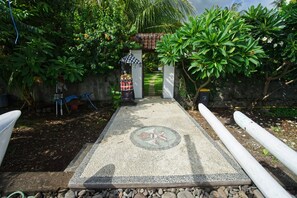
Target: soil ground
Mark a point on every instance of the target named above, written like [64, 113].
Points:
[44, 142]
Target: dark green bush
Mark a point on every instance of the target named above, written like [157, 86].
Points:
[284, 112]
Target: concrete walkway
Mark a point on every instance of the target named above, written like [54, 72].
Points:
[156, 144]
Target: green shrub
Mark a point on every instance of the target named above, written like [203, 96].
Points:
[115, 96]
[284, 112]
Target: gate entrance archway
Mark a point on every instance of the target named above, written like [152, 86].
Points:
[148, 41]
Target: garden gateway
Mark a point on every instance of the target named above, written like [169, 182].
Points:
[148, 41]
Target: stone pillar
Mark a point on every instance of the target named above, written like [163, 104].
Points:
[168, 82]
[137, 74]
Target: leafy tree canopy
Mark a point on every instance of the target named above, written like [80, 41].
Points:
[99, 42]
[276, 32]
[214, 44]
[75, 37]
[67, 38]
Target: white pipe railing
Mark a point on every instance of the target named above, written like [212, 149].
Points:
[7, 121]
[262, 179]
[276, 147]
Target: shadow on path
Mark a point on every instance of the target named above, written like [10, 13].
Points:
[102, 178]
[195, 162]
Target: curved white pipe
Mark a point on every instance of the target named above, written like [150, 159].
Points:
[7, 121]
[279, 149]
[263, 180]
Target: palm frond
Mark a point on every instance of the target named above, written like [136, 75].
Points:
[146, 14]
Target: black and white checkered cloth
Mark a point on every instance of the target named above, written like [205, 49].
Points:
[131, 59]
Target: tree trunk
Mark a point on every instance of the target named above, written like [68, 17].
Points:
[194, 107]
[266, 87]
[191, 104]
[28, 99]
[283, 70]
[197, 89]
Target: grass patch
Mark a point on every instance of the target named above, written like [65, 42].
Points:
[158, 82]
[147, 78]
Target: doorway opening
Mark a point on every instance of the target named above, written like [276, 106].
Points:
[153, 74]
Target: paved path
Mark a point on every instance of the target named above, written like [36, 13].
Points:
[156, 144]
[151, 91]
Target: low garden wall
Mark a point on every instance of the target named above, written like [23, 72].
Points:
[100, 86]
[224, 93]
[241, 92]
[244, 92]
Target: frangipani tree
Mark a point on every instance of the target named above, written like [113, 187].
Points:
[277, 34]
[214, 44]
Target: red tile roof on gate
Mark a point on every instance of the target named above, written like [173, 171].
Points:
[148, 40]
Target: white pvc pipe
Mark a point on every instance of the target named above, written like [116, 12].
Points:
[276, 147]
[7, 121]
[262, 179]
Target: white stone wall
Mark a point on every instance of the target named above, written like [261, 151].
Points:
[168, 82]
[137, 75]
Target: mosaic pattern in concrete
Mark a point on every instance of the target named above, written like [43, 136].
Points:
[155, 138]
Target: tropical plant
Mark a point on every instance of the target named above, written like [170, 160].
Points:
[151, 62]
[264, 22]
[99, 44]
[45, 30]
[157, 15]
[33, 63]
[66, 67]
[276, 32]
[279, 3]
[116, 96]
[28, 65]
[60, 38]
[216, 43]
[77, 35]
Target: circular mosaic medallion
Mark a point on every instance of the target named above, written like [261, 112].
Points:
[155, 138]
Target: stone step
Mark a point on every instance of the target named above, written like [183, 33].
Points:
[31, 182]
